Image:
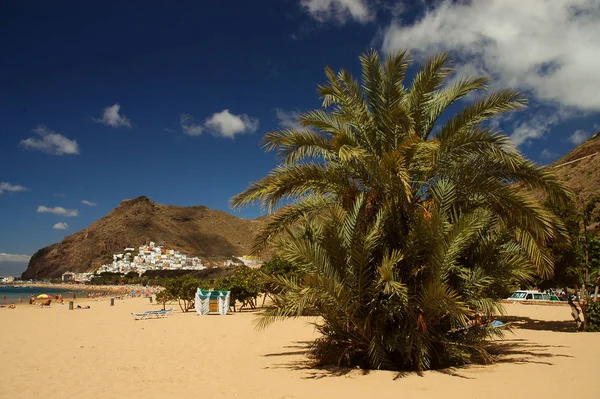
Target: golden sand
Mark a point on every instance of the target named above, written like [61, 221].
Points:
[103, 352]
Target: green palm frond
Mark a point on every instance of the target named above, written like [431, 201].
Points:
[444, 194]
[388, 277]
[448, 96]
[292, 181]
[286, 217]
[425, 86]
[296, 145]
[464, 230]
[481, 110]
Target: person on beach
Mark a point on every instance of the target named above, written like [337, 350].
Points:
[47, 303]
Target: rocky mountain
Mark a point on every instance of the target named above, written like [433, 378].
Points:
[196, 230]
[580, 169]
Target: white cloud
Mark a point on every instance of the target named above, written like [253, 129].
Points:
[548, 155]
[60, 226]
[287, 119]
[112, 118]
[339, 10]
[535, 128]
[551, 48]
[220, 124]
[226, 124]
[13, 258]
[50, 142]
[12, 188]
[578, 137]
[57, 210]
[189, 126]
[88, 203]
[60, 195]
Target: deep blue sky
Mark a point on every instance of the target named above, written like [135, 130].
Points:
[62, 63]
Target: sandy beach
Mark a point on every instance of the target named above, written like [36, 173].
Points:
[102, 352]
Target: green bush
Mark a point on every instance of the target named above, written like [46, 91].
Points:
[593, 317]
[164, 297]
[183, 289]
[274, 275]
[108, 278]
[279, 267]
[244, 286]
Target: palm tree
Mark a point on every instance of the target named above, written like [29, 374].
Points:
[408, 221]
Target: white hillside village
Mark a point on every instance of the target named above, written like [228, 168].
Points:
[150, 257]
[155, 257]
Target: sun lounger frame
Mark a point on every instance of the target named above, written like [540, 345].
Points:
[158, 314]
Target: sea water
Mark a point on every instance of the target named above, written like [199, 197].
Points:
[13, 293]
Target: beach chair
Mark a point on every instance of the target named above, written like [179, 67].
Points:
[140, 316]
[224, 302]
[152, 313]
[163, 313]
[202, 303]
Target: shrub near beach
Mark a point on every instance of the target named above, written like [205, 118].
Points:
[243, 283]
[577, 262]
[409, 222]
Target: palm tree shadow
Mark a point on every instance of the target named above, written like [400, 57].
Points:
[308, 365]
[527, 323]
[523, 351]
[515, 351]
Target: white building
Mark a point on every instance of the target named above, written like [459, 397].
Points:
[151, 257]
[77, 277]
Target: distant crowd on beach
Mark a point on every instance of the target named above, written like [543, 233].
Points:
[121, 292]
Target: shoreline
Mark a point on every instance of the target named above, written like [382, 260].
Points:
[79, 292]
[89, 287]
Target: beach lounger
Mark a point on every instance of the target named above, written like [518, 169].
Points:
[202, 303]
[160, 313]
[166, 312]
[224, 303]
[153, 313]
[140, 316]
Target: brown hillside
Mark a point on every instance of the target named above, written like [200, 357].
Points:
[580, 169]
[195, 230]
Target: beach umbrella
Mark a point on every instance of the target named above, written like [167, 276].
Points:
[44, 296]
